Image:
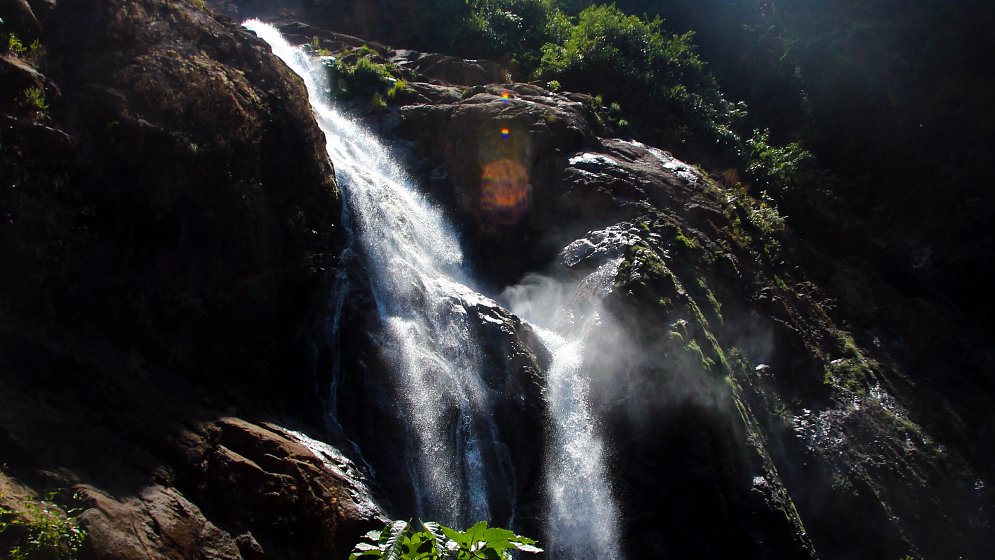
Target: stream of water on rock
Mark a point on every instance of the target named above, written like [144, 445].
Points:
[423, 303]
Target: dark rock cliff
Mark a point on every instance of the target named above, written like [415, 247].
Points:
[168, 234]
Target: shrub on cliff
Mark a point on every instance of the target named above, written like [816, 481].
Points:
[39, 529]
[511, 29]
[364, 78]
[631, 61]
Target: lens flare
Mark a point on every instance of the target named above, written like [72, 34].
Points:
[505, 96]
[504, 191]
[505, 132]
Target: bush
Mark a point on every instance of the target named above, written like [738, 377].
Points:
[32, 52]
[779, 167]
[364, 78]
[34, 101]
[401, 541]
[632, 62]
[40, 530]
[514, 30]
[793, 177]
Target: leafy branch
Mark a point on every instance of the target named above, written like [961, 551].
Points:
[42, 530]
[400, 540]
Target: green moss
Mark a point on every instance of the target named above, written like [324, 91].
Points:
[645, 262]
[853, 371]
[694, 349]
[685, 241]
[713, 302]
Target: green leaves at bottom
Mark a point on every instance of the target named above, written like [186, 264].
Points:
[399, 540]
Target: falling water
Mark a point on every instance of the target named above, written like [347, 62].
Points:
[415, 260]
[583, 516]
[416, 269]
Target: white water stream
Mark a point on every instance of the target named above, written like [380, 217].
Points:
[583, 516]
[416, 268]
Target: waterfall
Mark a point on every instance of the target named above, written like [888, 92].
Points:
[582, 521]
[415, 262]
[423, 305]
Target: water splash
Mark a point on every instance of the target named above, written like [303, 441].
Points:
[583, 516]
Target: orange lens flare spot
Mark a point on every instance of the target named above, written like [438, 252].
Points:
[505, 95]
[505, 132]
[504, 191]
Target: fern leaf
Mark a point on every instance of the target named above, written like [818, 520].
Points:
[395, 540]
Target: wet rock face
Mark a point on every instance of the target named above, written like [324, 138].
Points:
[497, 144]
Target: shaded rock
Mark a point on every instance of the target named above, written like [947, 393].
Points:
[15, 77]
[449, 69]
[191, 178]
[167, 229]
[19, 18]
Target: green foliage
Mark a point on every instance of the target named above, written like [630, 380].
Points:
[634, 63]
[34, 100]
[779, 167]
[316, 47]
[400, 540]
[400, 87]
[765, 216]
[41, 530]
[512, 30]
[791, 175]
[365, 77]
[378, 103]
[33, 51]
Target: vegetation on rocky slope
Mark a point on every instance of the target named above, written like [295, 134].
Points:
[32, 528]
[168, 232]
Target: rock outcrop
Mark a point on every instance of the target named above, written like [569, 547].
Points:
[168, 231]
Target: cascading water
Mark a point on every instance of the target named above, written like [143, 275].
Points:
[583, 516]
[415, 265]
[414, 259]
